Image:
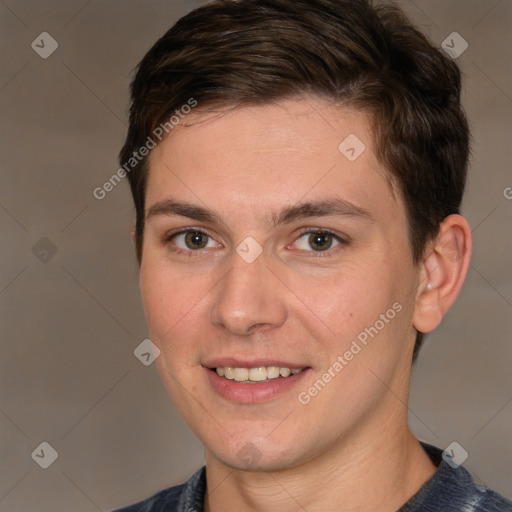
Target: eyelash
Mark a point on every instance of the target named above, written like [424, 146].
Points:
[167, 240]
[328, 252]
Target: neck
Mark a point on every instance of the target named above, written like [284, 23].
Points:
[379, 472]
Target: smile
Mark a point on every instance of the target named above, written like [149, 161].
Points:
[257, 374]
[254, 383]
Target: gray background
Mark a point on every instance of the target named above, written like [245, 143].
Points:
[71, 320]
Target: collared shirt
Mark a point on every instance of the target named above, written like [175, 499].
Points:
[447, 490]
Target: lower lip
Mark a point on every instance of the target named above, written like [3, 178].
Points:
[253, 393]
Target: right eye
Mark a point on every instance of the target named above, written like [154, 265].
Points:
[192, 240]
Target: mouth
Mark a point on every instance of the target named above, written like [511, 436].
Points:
[254, 382]
[256, 374]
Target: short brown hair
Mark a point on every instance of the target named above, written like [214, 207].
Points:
[230, 53]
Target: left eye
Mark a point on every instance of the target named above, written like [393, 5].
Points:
[317, 241]
[193, 240]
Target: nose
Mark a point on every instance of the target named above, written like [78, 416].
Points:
[249, 299]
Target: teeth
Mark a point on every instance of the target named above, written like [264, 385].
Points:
[241, 374]
[272, 372]
[258, 374]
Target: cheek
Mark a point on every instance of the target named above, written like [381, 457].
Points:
[169, 307]
[347, 299]
[165, 298]
[176, 308]
[367, 305]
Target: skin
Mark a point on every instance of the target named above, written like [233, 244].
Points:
[293, 303]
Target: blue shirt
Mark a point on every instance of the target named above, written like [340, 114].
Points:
[447, 490]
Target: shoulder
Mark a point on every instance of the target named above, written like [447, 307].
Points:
[452, 489]
[484, 499]
[158, 502]
[187, 497]
[479, 498]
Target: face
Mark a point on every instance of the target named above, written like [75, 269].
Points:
[278, 282]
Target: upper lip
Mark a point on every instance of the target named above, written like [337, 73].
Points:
[252, 363]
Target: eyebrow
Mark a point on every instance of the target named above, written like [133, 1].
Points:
[171, 207]
[331, 207]
[336, 207]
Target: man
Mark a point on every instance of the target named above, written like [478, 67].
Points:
[297, 168]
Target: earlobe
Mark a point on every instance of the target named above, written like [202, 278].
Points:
[443, 270]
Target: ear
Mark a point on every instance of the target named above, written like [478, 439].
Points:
[443, 269]
[132, 234]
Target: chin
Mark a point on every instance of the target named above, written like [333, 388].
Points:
[257, 454]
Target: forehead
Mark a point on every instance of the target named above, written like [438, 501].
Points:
[269, 156]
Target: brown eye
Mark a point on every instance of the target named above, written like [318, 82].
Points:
[196, 240]
[320, 241]
[191, 242]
